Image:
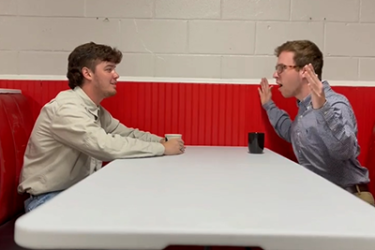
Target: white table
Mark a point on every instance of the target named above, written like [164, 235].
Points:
[208, 196]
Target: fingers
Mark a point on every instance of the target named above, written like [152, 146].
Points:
[264, 84]
[311, 82]
[309, 71]
[311, 68]
[312, 79]
[181, 146]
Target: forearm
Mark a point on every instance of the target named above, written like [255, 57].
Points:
[80, 132]
[337, 129]
[114, 126]
[279, 119]
[135, 133]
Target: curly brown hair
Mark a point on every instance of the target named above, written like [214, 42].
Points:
[305, 52]
[89, 55]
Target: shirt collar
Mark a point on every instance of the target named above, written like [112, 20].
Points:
[89, 104]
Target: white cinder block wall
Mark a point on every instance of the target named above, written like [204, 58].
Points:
[227, 39]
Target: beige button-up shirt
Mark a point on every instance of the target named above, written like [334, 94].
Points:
[71, 138]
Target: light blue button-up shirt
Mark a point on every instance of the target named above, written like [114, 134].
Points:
[324, 140]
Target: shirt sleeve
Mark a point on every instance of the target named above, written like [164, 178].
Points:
[114, 126]
[338, 130]
[76, 128]
[279, 119]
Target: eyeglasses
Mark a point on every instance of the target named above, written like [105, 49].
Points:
[281, 67]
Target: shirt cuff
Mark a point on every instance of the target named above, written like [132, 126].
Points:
[326, 115]
[156, 138]
[160, 149]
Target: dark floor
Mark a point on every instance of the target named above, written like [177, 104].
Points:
[7, 237]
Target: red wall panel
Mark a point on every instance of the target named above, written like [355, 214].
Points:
[206, 114]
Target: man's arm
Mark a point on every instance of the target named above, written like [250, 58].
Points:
[337, 129]
[279, 119]
[114, 126]
[76, 128]
[336, 121]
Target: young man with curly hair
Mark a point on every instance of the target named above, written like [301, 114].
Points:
[74, 133]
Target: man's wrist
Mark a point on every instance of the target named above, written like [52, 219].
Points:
[321, 104]
[268, 104]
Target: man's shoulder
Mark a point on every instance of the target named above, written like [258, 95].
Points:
[333, 97]
[337, 97]
[65, 100]
[339, 100]
[68, 96]
[64, 97]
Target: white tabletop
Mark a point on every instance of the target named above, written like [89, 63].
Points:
[208, 196]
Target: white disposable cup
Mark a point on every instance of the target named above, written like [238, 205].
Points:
[173, 136]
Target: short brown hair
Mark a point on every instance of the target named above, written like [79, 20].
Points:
[305, 52]
[89, 55]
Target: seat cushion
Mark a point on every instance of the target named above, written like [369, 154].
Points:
[15, 128]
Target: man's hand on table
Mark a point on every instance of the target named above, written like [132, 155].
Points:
[174, 146]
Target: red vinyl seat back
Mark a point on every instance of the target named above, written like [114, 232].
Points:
[370, 161]
[16, 123]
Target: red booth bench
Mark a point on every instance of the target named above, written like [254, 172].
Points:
[370, 161]
[16, 123]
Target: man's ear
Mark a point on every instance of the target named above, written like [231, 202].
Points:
[87, 73]
[302, 73]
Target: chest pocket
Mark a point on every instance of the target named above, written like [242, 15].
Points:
[308, 124]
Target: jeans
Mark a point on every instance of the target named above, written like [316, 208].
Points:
[36, 200]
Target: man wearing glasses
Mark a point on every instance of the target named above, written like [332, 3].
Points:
[324, 133]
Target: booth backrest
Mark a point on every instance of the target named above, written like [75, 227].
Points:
[370, 161]
[16, 123]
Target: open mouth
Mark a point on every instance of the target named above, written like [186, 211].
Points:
[280, 85]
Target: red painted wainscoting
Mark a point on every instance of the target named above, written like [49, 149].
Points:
[206, 114]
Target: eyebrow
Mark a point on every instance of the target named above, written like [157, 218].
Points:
[110, 65]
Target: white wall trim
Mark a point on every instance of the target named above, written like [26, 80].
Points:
[183, 80]
[10, 91]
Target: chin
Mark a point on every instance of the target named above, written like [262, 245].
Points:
[111, 93]
[286, 95]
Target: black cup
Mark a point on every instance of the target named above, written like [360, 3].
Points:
[256, 142]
